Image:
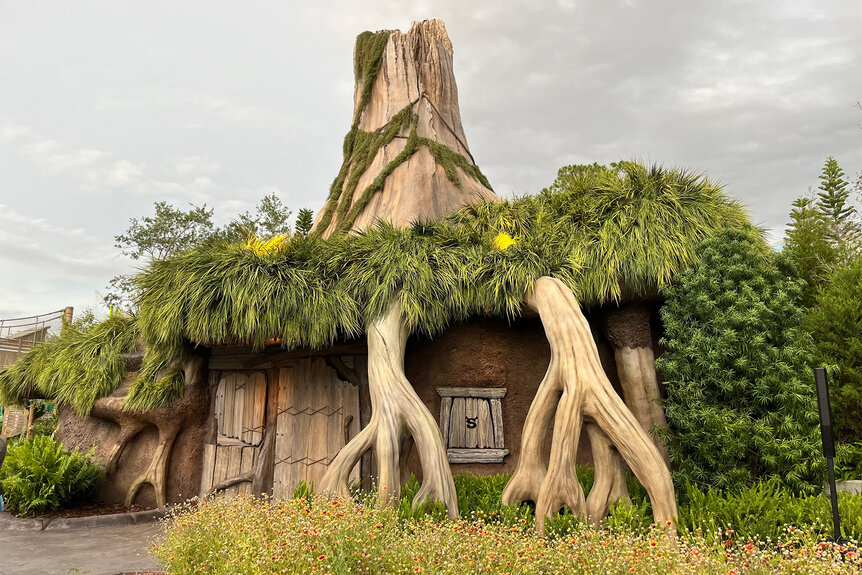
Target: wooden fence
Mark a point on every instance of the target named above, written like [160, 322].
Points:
[21, 334]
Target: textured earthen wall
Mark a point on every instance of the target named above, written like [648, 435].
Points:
[185, 468]
[489, 353]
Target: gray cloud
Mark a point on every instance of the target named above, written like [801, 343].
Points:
[109, 107]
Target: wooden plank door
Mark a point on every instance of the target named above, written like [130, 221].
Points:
[317, 414]
[239, 411]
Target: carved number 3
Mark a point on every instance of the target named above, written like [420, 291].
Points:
[471, 422]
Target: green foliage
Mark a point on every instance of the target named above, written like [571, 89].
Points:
[808, 245]
[271, 219]
[621, 231]
[304, 221]
[848, 461]
[76, 368]
[172, 231]
[765, 510]
[740, 395]
[38, 475]
[169, 231]
[311, 292]
[833, 202]
[759, 510]
[823, 233]
[835, 324]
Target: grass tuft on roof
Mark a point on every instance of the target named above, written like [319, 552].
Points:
[607, 233]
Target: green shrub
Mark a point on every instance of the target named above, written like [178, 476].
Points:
[740, 400]
[761, 510]
[766, 510]
[835, 324]
[848, 461]
[38, 475]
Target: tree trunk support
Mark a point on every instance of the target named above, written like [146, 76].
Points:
[398, 419]
[628, 331]
[577, 387]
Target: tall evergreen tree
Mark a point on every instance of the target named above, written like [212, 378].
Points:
[833, 201]
[740, 393]
[808, 245]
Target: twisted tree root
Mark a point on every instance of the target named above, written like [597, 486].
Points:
[167, 420]
[398, 418]
[628, 331]
[575, 377]
[609, 485]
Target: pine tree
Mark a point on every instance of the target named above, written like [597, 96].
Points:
[304, 221]
[740, 393]
[833, 203]
[808, 245]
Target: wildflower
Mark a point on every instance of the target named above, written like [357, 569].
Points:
[503, 241]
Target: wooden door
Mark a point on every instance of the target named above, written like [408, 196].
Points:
[318, 414]
[240, 409]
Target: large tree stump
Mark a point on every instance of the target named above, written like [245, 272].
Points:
[399, 419]
[414, 94]
[576, 387]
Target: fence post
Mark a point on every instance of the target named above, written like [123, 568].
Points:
[30, 419]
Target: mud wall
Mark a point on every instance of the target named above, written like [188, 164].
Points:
[486, 352]
[185, 467]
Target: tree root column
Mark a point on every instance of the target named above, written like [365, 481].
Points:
[576, 385]
[398, 417]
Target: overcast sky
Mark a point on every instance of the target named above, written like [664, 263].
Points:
[107, 107]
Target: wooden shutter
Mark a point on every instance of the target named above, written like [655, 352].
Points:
[471, 420]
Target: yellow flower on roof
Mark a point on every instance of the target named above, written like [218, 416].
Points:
[503, 241]
[261, 247]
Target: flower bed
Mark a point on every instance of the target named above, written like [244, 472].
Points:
[248, 535]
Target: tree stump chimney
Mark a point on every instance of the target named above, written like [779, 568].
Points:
[406, 157]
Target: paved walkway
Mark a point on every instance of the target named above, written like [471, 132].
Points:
[103, 550]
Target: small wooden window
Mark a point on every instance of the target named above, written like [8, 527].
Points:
[240, 408]
[471, 420]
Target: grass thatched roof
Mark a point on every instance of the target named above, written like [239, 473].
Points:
[606, 233]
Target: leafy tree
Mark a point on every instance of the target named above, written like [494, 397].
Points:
[271, 219]
[171, 231]
[824, 231]
[835, 323]
[304, 221]
[740, 395]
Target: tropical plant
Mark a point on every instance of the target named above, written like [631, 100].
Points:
[740, 395]
[848, 461]
[834, 203]
[38, 475]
